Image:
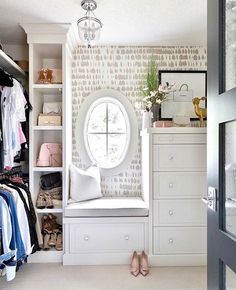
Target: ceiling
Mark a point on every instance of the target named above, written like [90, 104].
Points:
[125, 22]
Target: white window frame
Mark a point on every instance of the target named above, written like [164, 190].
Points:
[116, 97]
[127, 122]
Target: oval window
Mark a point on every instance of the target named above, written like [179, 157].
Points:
[107, 132]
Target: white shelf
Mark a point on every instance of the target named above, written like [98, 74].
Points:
[50, 210]
[47, 128]
[48, 88]
[10, 66]
[49, 169]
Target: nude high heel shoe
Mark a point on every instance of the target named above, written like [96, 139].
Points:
[134, 268]
[144, 264]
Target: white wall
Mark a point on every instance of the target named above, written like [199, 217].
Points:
[17, 52]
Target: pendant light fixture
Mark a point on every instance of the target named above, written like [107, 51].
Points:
[89, 26]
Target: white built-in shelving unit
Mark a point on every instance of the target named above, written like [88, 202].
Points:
[50, 46]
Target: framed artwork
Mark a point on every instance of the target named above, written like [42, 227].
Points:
[187, 85]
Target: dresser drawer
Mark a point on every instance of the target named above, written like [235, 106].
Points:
[180, 240]
[179, 212]
[179, 157]
[109, 237]
[179, 139]
[179, 184]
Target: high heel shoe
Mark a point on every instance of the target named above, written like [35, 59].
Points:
[134, 267]
[144, 264]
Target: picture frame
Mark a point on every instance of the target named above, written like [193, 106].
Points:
[187, 85]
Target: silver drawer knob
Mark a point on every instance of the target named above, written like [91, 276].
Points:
[171, 241]
[127, 238]
[171, 157]
[171, 212]
[171, 185]
[86, 238]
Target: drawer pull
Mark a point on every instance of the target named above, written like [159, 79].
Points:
[171, 212]
[171, 157]
[171, 241]
[127, 238]
[171, 185]
[86, 238]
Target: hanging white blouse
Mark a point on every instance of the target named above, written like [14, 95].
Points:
[13, 112]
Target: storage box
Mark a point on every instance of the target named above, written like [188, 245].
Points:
[158, 124]
[49, 120]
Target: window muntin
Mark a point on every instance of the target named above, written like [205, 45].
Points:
[107, 132]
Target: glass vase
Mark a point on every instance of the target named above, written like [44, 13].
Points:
[155, 109]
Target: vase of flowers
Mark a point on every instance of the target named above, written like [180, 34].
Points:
[153, 92]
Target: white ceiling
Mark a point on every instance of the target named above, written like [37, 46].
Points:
[125, 22]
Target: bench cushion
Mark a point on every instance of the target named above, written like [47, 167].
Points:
[108, 207]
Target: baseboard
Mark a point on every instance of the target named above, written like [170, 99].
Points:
[97, 259]
[124, 259]
[178, 260]
[46, 257]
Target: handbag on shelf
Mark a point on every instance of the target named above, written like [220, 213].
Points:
[52, 108]
[49, 120]
[50, 155]
[50, 181]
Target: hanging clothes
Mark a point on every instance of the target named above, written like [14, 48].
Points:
[5, 79]
[16, 243]
[22, 217]
[6, 236]
[18, 234]
[13, 104]
[24, 195]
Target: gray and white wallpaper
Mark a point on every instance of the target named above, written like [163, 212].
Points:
[124, 69]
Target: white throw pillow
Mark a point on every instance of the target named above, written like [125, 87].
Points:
[85, 185]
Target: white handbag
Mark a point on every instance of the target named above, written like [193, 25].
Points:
[52, 108]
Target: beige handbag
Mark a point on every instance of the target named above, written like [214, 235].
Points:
[49, 120]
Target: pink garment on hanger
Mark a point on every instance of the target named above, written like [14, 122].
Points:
[22, 138]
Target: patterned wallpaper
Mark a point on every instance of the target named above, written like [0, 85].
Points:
[123, 69]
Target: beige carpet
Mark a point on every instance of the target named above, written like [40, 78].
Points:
[57, 277]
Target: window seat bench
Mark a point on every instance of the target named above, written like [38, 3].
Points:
[108, 207]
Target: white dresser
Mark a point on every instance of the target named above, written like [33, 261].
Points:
[174, 174]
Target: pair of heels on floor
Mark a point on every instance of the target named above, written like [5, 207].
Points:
[139, 264]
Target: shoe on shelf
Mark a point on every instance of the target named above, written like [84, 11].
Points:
[46, 238]
[59, 242]
[48, 200]
[134, 267]
[53, 239]
[41, 202]
[46, 224]
[144, 264]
